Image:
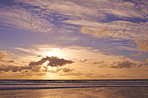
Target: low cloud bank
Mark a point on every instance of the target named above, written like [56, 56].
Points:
[37, 66]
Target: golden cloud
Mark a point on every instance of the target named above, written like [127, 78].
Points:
[95, 32]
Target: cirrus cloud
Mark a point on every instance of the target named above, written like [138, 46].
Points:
[21, 18]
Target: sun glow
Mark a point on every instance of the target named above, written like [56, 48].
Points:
[53, 52]
[52, 68]
[49, 68]
[46, 63]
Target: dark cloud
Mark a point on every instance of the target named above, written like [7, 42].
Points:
[53, 61]
[19, 68]
[101, 62]
[7, 61]
[39, 55]
[83, 60]
[11, 61]
[36, 66]
[125, 64]
[67, 70]
[9, 68]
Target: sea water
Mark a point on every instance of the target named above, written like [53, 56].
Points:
[74, 88]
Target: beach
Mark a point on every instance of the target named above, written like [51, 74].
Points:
[73, 89]
[101, 92]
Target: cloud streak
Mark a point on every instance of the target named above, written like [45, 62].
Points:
[94, 7]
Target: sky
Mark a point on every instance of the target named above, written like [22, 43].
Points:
[73, 39]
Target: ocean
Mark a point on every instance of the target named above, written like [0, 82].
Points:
[74, 88]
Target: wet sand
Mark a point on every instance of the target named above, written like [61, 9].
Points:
[100, 92]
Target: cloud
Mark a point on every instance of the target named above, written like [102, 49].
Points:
[146, 61]
[124, 64]
[85, 60]
[142, 45]
[5, 68]
[67, 70]
[82, 61]
[38, 67]
[9, 68]
[101, 62]
[85, 23]
[78, 53]
[94, 32]
[67, 8]
[21, 18]
[120, 16]
[94, 8]
[118, 29]
[138, 54]
[128, 30]
[5, 57]
[3, 54]
[53, 61]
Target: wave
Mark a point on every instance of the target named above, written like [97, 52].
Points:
[23, 88]
[63, 84]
